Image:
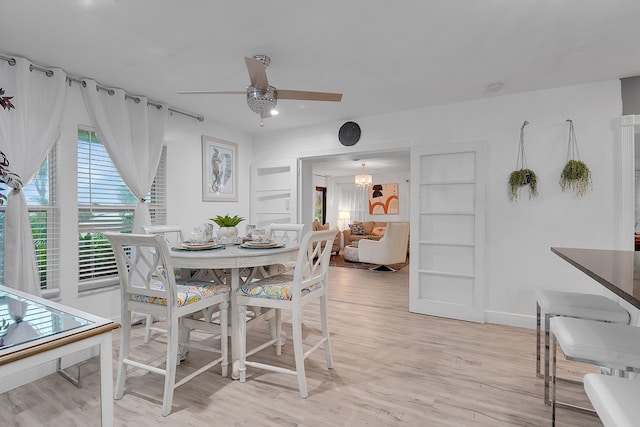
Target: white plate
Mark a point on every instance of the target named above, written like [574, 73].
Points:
[192, 246]
[259, 245]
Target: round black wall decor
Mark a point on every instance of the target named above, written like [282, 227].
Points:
[349, 133]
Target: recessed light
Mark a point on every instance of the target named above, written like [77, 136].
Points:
[495, 86]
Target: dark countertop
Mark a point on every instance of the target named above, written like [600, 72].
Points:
[618, 271]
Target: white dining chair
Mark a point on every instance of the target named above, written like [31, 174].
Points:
[284, 233]
[614, 399]
[607, 345]
[551, 303]
[292, 292]
[173, 236]
[148, 285]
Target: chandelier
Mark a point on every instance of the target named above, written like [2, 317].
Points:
[261, 101]
[363, 180]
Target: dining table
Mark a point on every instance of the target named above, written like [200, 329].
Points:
[234, 258]
[616, 270]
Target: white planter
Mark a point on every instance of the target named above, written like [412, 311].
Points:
[228, 232]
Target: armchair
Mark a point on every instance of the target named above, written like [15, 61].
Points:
[316, 226]
[390, 249]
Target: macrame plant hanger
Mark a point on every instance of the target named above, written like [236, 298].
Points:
[522, 175]
[575, 175]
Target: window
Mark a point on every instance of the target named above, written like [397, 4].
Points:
[105, 204]
[321, 204]
[44, 218]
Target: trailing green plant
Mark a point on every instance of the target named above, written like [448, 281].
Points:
[576, 174]
[227, 221]
[520, 178]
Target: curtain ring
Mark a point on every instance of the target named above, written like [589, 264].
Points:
[111, 92]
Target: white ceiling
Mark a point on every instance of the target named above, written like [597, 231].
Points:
[384, 56]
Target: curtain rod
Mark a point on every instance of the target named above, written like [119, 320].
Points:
[110, 91]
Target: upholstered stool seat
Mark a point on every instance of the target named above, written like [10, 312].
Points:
[571, 304]
[610, 345]
[614, 399]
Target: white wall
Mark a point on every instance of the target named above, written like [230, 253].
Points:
[519, 235]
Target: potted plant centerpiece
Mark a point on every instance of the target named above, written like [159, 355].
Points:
[522, 176]
[228, 225]
[576, 174]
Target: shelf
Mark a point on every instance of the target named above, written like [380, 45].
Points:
[447, 274]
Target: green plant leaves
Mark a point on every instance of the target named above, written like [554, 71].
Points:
[520, 178]
[227, 221]
[576, 176]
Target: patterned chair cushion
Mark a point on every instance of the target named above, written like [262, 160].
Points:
[274, 287]
[188, 293]
[357, 229]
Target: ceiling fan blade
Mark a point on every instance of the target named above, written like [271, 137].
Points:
[208, 92]
[308, 96]
[257, 73]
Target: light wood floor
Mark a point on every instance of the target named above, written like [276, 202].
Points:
[391, 368]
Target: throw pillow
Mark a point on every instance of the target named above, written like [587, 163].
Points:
[357, 229]
[368, 226]
[378, 231]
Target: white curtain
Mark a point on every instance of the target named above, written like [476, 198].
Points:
[133, 133]
[27, 133]
[351, 198]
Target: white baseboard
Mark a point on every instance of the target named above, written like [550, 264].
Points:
[510, 319]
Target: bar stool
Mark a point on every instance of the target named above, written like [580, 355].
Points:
[614, 399]
[571, 304]
[609, 345]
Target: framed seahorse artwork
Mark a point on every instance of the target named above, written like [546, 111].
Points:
[219, 170]
[383, 199]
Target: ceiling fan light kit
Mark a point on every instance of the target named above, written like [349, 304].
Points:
[262, 98]
[262, 101]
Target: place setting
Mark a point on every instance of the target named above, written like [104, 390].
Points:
[197, 246]
[261, 239]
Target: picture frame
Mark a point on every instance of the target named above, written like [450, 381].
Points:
[383, 199]
[219, 170]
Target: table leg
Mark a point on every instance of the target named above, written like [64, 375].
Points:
[106, 380]
[235, 354]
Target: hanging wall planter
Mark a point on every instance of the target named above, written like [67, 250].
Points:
[522, 176]
[575, 175]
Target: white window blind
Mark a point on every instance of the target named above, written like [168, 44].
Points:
[105, 204]
[45, 225]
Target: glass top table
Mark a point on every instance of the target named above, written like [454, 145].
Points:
[23, 321]
[34, 331]
[618, 271]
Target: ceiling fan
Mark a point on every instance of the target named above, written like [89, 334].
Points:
[262, 97]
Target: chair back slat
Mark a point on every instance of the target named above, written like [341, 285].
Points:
[286, 232]
[172, 233]
[312, 263]
[144, 266]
